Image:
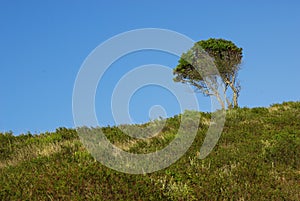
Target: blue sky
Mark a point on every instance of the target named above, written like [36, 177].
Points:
[44, 43]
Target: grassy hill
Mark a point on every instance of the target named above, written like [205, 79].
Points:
[256, 158]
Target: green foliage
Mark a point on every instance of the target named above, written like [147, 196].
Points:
[227, 58]
[226, 54]
[257, 158]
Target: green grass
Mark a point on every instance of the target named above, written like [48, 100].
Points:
[256, 158]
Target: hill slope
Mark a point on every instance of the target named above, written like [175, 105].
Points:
[257, 158]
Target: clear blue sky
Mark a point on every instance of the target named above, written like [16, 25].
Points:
[43, 44]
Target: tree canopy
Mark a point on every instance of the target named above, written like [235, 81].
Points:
[213, 58]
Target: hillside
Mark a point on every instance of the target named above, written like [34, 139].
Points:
[256, 158]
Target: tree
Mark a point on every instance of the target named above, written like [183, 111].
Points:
[206, 62]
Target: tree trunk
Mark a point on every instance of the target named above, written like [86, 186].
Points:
[229, 104]
[218, 97]
[235, 90]
[235, 98]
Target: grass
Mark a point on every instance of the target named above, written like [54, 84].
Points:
[256, 158]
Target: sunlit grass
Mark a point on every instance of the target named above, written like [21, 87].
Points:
[256, 158]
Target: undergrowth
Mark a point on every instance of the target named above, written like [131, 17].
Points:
[256, 158]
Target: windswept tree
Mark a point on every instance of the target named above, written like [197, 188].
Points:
[198, 66]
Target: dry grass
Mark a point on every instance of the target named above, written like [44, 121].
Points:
[33, 151]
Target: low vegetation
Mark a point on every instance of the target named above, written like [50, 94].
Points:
[256, 158]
